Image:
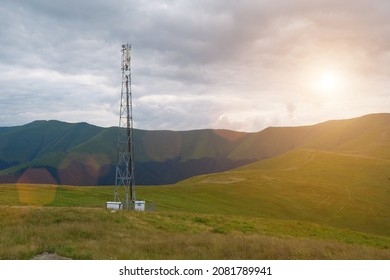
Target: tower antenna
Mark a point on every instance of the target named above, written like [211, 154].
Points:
[124, 172]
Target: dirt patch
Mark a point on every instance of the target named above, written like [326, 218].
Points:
[49, 256]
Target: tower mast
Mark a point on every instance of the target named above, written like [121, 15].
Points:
[124, 174]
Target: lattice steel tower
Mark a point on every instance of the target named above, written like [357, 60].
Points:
[124, 178]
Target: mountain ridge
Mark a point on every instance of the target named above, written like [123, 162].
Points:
[161, 156]
[85, 154]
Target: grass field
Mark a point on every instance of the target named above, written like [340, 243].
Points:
[87, 233]
[79, 227]
[306, 204]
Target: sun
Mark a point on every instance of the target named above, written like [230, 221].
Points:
[326, 82]
[329, 81]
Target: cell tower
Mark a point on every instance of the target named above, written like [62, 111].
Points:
[124, 177]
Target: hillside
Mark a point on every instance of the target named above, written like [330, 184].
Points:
[82, 154]
[368, 135]
[304, 204]
[327, 188]
[317, 192]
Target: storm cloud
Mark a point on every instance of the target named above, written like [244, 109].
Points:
[242, 65]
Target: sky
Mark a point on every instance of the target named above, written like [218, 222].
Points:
[241, 65]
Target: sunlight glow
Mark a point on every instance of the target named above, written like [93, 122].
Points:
[326, 82]
[329, 81]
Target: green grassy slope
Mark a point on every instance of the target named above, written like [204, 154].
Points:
[161, 156]
[324, 192]
[39, 138]
[328, 188]
[366, 135]
[87, 233]
[340, 190]
[169, 156]
[75, 224]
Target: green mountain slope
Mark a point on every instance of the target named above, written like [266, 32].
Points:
[82, 154]
[328, 188]
[367, 135]
[31, 141]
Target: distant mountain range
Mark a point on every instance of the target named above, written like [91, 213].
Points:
[55, 152]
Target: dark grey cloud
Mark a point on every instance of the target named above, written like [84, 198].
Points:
[229, 64]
